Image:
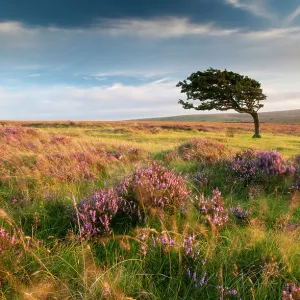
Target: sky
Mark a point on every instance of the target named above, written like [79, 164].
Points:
[116, 59]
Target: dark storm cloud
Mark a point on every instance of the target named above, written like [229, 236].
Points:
[85, 13]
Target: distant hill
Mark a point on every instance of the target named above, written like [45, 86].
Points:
[286, 116]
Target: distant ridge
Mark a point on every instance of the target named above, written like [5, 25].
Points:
[286, 116]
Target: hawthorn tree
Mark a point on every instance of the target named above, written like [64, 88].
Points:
[223, 90]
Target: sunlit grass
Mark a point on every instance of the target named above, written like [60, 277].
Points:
[38, 196]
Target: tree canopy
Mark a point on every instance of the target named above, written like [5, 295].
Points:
[223, 90]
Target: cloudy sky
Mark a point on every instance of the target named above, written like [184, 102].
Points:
[116, 59]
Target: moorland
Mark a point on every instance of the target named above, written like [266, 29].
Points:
[149, 210]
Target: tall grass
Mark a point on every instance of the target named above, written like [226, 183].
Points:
[186, 224]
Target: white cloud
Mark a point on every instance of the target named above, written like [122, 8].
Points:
[17, 35]
[114, 102]
[34, 75]
[10, 27]
[163, 28]
[291, 18]
[277, 32]
[129, 72]
[170, 27]
[255, 7]
[16, 28]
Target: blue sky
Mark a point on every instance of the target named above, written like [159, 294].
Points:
[115, 59]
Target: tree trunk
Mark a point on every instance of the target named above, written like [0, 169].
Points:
[256, 124]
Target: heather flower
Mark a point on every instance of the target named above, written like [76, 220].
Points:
[7, 241]
[291, 292]
[102, 210]
[60, 140]
[296, 182]
[96, 212]
[166, 241]
[190, 247]
[242, 215]
[213, 209]
[259, 166]
[201, 179]
[272, 163]
[155, 187]
[143, 237]
[227, 293]
[198, 280]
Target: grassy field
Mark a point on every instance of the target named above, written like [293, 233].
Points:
[149, 210]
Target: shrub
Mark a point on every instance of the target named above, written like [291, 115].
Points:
[103, 211]
[202, 151]
[155, 187]
[259, 166]
[95, 213]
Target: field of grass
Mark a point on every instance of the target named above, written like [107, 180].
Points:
[149, 210]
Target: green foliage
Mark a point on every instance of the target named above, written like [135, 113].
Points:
[223, 90]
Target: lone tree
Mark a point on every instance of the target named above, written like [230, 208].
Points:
[223, 90]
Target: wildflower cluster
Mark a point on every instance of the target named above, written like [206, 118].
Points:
[227, 293]
[95, 213]
[291, 292]
[155, 187]
[190, 247]
[7, 241]
[213, 209]
[202, 179]
[131, 200]
[242, 215]
[18, 131]
[296, 181]
[259, 166]
[197, 280]
[17, 135]
[60, 140]
[187, 245]
[272, 163]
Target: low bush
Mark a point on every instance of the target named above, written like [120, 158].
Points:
[257, 166]
[155, 187]
[200, 150]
